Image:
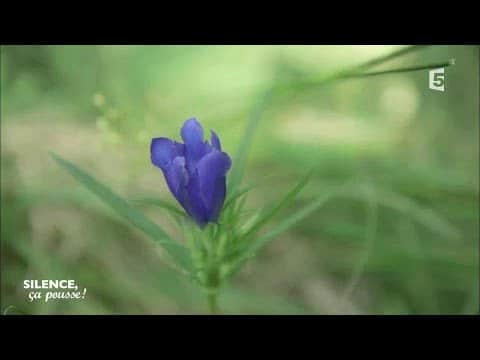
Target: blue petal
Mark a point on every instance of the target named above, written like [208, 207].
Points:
[177, 179]
[185, 189]
[195, 147]
[195, 205]
[215, 141]
[212, 182]
[192, 131]
[163, 151]
[195, 172]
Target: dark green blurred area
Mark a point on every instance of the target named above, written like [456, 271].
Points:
[402, 239]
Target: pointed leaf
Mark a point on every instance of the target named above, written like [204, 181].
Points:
[267, 216]
[286, 224]
[159, 203]
[240, 158]
[130, 213]
[231, 200]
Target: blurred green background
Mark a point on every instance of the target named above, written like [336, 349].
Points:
[402, 239]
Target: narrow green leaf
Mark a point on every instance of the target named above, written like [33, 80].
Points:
[387, 57]
[286, 224]
[425, 216]
[400, 70]
[159, 203]
[291, 221]
[371, 225]
[240, 158]
[314, 80]
[408, 206]
[231, 200]
[175, 214]
[127, 211]
[287, 199]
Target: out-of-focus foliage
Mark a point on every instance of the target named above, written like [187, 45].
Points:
[402, 237]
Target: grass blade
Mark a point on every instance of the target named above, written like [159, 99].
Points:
[281, 205]
[291, 221]
[159, 203]
[240, 158]
[371, 225]
[127, 211]
[400, 70]
[232, 199]
[423, 215]
[286, 224]
[314, 80]
[384, 58]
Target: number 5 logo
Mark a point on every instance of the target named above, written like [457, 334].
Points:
[436, 80]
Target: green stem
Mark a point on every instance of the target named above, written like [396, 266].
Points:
[370, 235]
[353, 71]
[211, 286]
[400, 70]
[284, 89]
[221, 246]
[240, 158]
[381, 59]
[212, 299]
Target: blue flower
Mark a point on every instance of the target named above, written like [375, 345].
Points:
[194, 171]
